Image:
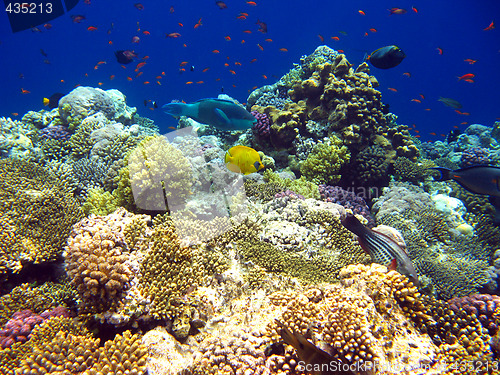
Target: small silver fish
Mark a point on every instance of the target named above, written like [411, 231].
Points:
[381, 248]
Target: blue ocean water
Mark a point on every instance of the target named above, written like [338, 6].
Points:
[73, 53]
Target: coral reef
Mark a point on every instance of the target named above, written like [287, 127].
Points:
[20, 326]
[158, 176]
[323, 164]
[346, 198]
[483, 306]
[83, 102]
[475, 156]
[15, 139]
[36, 235]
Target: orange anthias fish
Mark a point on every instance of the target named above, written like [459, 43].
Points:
[173, 35]
[198, 24]
[91, 28]
[491, 26]
[397, 11]
[466, 76]
[470, 61]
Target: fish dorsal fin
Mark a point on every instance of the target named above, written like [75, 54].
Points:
[222, 116]
[216, 99]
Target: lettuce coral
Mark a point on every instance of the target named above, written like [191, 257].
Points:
[323, 164]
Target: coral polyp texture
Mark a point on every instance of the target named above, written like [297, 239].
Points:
[37, 234]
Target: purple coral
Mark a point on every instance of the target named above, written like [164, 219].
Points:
[262, 126]
[290, 194]
[346, 198]
[475, 156]
[483, 306]
[19, 327]
[55, 132]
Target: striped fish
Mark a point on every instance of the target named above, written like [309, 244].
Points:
[381, 248]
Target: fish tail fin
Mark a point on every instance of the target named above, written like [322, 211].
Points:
[174, 109]
[444, 173]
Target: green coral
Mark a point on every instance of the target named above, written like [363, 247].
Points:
[80, 142]
[413, 171]
[55, 149]
[157, 176]
[168, 271]
[302, 186]
[372, 166]
[100, 202]
[39, 207]
[323, 164]
[36, 298]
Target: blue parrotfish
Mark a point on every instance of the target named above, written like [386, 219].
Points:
[220, 113]
[381, 248]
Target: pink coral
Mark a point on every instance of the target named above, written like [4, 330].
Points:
[19, 327]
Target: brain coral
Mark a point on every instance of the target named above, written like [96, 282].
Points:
[37, 234]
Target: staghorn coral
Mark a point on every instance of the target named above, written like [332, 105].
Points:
[323, 164]
[40, 232]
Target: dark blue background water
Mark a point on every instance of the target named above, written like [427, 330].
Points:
[73, 52]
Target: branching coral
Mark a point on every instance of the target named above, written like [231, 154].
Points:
[97, 262]
[158, 176]
[323, 164]
[38, 233]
